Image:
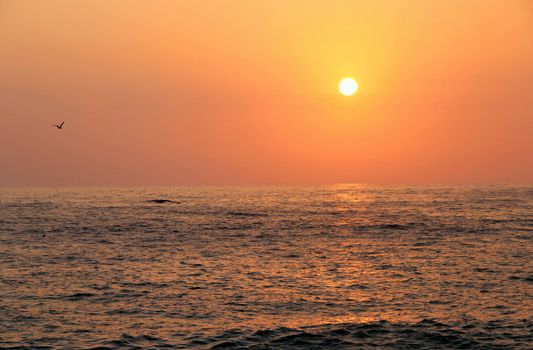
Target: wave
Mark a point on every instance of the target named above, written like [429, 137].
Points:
[427, 334]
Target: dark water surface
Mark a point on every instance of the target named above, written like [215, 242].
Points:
[340, 267]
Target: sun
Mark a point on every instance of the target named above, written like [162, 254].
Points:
[348, 86]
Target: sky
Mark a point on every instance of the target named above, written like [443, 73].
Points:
[244, 92]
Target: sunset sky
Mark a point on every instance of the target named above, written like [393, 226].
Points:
[244, 92]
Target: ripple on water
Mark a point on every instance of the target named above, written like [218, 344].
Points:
[235, 268]
[427, 334]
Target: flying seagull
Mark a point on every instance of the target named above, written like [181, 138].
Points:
[60, 126]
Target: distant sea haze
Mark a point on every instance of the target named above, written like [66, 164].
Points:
[338, 267]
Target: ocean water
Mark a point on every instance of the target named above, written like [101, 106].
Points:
[338, 267]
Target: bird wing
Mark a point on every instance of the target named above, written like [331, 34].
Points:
[62, 124]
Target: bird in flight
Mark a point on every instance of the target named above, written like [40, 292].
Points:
[60, 126]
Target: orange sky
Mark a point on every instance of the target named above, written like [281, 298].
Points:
[244, 92]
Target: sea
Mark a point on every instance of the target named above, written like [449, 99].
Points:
[333, 267]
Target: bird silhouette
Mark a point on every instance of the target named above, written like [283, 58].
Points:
[60, 126]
